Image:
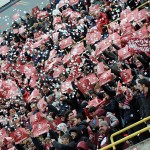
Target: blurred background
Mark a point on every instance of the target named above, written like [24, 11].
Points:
[14, 7]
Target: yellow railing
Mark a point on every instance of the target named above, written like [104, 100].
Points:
[113, 144]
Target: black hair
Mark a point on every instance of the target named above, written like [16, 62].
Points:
[79, 116]
[66, 135]
[92, 109]
[144, 81]
[67, 114]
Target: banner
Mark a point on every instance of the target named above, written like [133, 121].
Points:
[140, 45]
[19, 135]
[40, 128]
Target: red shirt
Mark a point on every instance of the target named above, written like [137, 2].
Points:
[101, 21]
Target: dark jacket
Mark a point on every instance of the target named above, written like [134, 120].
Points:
[132, 115]
[116, 138]
[71, 146]
[83, 128]
[145, 104]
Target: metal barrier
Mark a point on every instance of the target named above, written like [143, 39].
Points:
[113, 144]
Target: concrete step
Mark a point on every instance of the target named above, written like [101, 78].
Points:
[144, 145]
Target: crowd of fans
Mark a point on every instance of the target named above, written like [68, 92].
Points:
[69, 78]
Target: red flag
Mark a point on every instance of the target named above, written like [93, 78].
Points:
[128, 94]
[3, 133]
[100, 68]
[133, 15]
[57, 20]
[33, 81]
[95, 102]
[54, 62]
[8, 141]
[4, 50]
[37, 44]
[13, 148]
[66, 86]
[94, 9]
[22, 29]
[76, 61]
[67, 12]
[93, 37]
[67, 59]
[125, 13]
[124, 53]
[66, 43]
[114, 26]
[53, 53]
[115, 38]
[1, 39]
[102, 46]
[38, 35]
[142, 14]
[148, 28]
[19, 135]
[75, 72]
[139, 45]
[28, 69]
[54, 123]
[74, 15]
[16, 16]
[55, 36]
[141, 33]
[35, 11]
[42, 14]
[84, 85]
[105, 77]
[58, 70]
[73, 2]
[119, 91]
[41, 104]
[62, 3]
[92, 78]
[45, 37]
[77, 49]
[126, 75]
[93, 58]
[35, 93]
[36, 118]
[58, 27]
[10, 89]
[40, 128]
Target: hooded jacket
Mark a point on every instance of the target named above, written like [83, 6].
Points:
[71, 146]
[83, 128]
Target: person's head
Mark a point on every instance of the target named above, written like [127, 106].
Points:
[22, 109]
[61, 128]
[28, 15]
[69, 116]
[48, 140]
[91, 111]
[75, 133]
[82, 145]
[103, 126]
[78, 118]
[33, 106]
[143, 84]
[45, 89]
[12, 112]
[66, 138]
